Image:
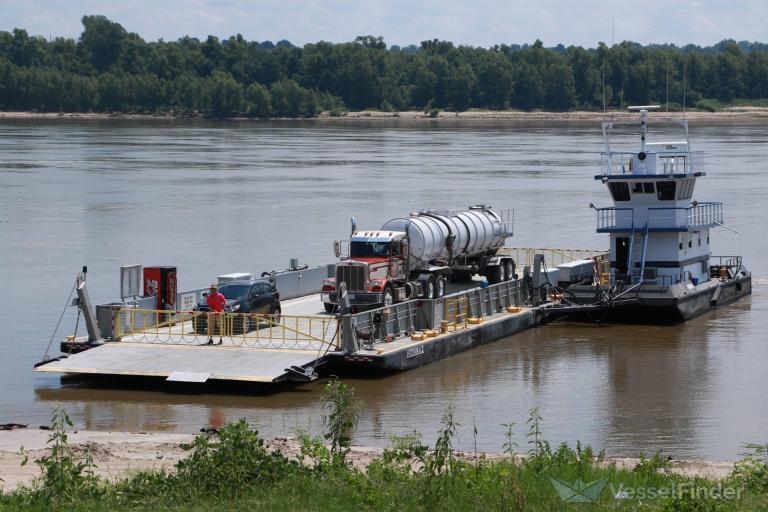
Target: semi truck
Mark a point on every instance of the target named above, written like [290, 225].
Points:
[414, 257]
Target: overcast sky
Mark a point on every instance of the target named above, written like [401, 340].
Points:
[403, 22]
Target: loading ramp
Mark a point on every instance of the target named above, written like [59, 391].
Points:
[173, 345]
[192, 363]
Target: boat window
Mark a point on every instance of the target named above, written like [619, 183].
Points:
[665, 190]
[686, 189]
[648, 188]
[619, 190]
[637, 188]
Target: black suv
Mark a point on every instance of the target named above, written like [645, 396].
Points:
[256, 296]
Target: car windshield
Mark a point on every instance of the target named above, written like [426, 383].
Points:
[369, 249]
[234, 291]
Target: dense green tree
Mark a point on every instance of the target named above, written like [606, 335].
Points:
[102, 41]
[560, 89]
[460, 85]
[258, 101]
[108, 69]
[225, 95]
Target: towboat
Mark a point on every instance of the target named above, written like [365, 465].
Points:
[659, 268]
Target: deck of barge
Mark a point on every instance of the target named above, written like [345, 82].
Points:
[269, 354]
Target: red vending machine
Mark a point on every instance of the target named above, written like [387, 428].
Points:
[160, 282]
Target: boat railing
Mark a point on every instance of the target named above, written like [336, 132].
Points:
[698, 215]
[651, 278]
[668, 162]
[695, 216]
[725, 261]
[430, 317]
[613, 218]
[553, 256]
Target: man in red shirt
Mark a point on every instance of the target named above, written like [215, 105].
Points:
[216, 302]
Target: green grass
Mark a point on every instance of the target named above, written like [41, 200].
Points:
[233, 470]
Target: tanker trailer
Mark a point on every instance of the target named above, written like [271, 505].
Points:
[413, 257]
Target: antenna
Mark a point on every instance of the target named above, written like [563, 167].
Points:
[683, 88]
[667, 85]
[613, 31]
[603, 87]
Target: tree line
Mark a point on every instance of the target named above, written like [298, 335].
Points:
[108, 69]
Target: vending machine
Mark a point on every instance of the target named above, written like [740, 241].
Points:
[160, 282]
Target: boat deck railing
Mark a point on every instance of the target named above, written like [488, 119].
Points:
[667, 162]
[373, 327]
[698, 215]
[552, 256]
[651, 278]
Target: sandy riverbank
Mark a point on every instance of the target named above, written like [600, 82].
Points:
[119, 453]
[734, 113]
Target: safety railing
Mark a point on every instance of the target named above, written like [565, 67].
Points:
[614, 218]
[552, 256]
[696, 216]
[661, 162]
[652, 279]
[725, 261]
[234, 329]
[456, 311]
[381, 325]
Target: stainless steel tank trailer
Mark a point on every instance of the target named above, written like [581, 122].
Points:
[413, 257]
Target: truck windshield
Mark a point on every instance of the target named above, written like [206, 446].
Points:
[369, 249]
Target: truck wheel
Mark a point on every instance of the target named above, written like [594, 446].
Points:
[329, 308]
[429, 287]
[389, 295]
[510, 270]
[440, 286]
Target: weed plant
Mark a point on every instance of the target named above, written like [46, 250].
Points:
[234, 470]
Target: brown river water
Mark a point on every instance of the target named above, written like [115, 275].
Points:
[213, 198]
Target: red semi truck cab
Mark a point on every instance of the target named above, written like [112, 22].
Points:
[375, 273]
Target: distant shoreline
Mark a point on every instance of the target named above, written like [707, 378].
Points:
[732, 113]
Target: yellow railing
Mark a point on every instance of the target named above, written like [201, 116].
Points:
[238, 329]
[553, 256]
[456, 313]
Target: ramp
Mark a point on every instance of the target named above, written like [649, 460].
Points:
[191, 363]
